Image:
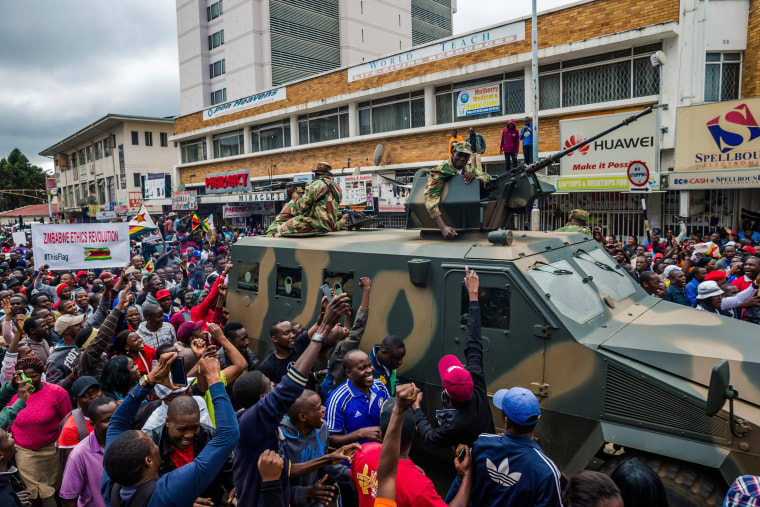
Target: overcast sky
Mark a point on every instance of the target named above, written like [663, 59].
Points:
[68, 63]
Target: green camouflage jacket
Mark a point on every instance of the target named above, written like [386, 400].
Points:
[319, 202]
[438, 178]
[575, 228]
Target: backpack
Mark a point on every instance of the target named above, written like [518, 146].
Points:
[139, 499]
[81, 431]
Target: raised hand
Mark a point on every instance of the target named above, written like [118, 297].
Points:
[270, 466]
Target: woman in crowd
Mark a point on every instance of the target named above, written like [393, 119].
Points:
[35, 431]
[120, 374]
[128, 343]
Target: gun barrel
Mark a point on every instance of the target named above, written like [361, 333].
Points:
[556, 156]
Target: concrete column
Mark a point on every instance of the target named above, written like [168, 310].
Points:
[353, 119]
[247, 139]
[294, 141]
[209, 147]
[529, 106]
[429, 105]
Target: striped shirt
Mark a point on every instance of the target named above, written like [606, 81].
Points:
[154, 339]
[349, 409]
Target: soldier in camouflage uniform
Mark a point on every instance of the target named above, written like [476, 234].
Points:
[317, 209]
[288, 211]
[456, 165]
[577, 223]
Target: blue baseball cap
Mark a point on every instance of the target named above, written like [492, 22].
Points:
[518, 404]
[196, 253]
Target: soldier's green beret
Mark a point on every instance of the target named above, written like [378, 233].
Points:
[579, 214]
[462, 148]
[323, 167]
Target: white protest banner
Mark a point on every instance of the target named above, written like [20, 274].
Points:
[80, 246]
[19, 238]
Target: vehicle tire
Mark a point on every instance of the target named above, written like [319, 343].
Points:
[686, 484]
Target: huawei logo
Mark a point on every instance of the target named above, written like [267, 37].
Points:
[569, 143]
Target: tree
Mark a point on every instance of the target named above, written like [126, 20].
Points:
[16, 173]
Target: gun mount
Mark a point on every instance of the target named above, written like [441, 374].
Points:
[472, 207]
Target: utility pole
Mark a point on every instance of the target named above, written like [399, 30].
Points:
[534, 68]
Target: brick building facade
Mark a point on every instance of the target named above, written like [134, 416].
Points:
[589, 54]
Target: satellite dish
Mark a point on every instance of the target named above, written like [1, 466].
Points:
[379, 152]
[657, 59]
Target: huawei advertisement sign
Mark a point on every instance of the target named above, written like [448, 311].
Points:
[604, 164]
[723, 135]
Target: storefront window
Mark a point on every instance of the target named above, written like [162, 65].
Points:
[271, 136]
[510, 88]
[193, 150]
[399, 112]
[228, 144]
[323, 126]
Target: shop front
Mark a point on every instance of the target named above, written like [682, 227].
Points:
[716, 176]
[599, 176]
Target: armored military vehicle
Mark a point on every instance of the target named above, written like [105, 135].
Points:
[615, 369]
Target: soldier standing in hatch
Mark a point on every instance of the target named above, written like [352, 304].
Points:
[577, 223]
[317, 209]
[458, 164]
[287, 212]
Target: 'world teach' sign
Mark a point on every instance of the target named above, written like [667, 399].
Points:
[247, 103]
[440, 50]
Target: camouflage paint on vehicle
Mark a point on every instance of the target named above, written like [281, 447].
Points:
[635, 373]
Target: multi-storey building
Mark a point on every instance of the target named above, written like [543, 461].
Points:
[229, 49]
[112, 164]
[595, 58]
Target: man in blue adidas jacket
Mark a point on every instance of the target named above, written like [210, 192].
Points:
[511, 469]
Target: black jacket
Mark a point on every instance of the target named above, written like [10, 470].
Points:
[461, 423]
[216, 490]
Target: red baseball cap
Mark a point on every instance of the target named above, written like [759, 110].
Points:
[457, 381]
[750, 249]
[81, 273]
[163, 293]
[716, 275]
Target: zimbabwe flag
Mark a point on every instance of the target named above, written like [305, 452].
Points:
[97, 254]
[197, 222]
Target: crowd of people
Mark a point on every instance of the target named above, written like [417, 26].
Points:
[136, 386]
[716, 273]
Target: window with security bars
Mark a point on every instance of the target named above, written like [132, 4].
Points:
[398, 112]
[270, 136]
[616, 75]
[323, 125]
[722, 76]
[511, 88]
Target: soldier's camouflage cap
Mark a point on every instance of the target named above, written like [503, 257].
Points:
[579, 214]
[323, 167]
[462, 148]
